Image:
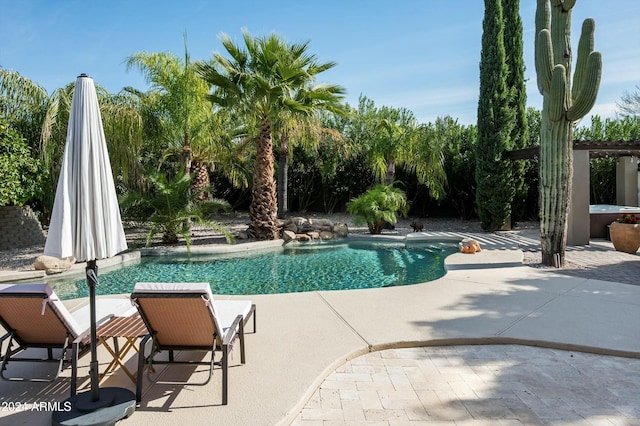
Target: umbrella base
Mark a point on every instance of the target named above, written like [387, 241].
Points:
[114, 404]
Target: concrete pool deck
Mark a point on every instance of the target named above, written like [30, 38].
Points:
[303, 338]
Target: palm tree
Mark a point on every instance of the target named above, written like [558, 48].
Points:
[426, 157]
[124, 130]
[23, 105]
[268, 79]
[395, 132]
[178, 108]
[391, 137]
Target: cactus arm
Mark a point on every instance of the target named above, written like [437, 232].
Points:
[557, 93]
[543, 16]
[544, 60]
[585, 47]
[567, 4]
[543, 22]
[587, 97]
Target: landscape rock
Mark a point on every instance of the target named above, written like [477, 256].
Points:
[299, 221]
[302, 229]
[341, 230]
[288, 236]
[320, 222]
[290, 226]
[53, 265]
[326, 235]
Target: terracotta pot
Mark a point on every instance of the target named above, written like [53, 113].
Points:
[625, 236]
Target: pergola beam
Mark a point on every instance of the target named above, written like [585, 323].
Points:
[597, 149]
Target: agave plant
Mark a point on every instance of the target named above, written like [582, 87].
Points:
[169, 208]
[378, 206]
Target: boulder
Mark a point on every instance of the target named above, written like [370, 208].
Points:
[302, 229]
[318, 223]
[288, 236]
[53, 265]
[341, 230]
[290, 226]
[326, 235]
[299, 221]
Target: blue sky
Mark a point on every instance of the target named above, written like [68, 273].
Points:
[419, 54]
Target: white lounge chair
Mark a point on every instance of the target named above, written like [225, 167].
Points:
[184, 316]
[34, 317]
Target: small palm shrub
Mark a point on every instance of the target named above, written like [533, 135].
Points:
[170, 208]
[377, 206]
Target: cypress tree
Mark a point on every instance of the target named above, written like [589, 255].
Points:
[495, 189]
[518, 102]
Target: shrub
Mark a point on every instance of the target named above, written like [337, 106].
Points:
[22, 175]
[170, 208]
[378, 206]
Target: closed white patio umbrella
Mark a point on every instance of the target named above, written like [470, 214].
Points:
[86, 224]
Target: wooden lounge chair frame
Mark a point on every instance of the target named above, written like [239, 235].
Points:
[182, 316]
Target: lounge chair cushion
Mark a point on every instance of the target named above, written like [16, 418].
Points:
[78, 321]
[163, 288]
[50, 298]
[225, 311]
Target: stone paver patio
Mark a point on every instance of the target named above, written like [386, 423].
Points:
[490, 384]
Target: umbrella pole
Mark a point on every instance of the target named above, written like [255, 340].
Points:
[100, 407]
[92, 281]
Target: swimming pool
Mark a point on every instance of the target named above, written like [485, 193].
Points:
[292, 268]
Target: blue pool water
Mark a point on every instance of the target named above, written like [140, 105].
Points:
[311, 267]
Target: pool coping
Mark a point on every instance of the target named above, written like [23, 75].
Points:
[207, 249]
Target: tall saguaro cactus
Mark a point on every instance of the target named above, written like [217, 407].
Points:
[564, 105]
